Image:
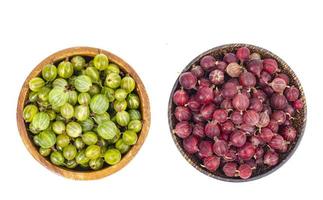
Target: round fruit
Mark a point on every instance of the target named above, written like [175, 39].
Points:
[81, 112]
[35, 84]
[107, 130]
[78, 62]
[29, 112]
[67, 111]
[135, 125]
[73, 129]
[81, 158]
[120, 94]
[62, 140]
[69, 152]
[49, 72]
[65, 69]
[101, 62]
[112, 156]
[93, 151]
[129, 137]
[57, 97]
[90, 138]
[84, 98]
[128, 84]
[57, 158]
[113, 80]
[58, 127]
[83, 83]
[40, 121]
[99, 104]
[133, 101]
[123, 118]
[44, 151]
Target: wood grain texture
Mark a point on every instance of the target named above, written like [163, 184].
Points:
[144, 107]
[299, 122]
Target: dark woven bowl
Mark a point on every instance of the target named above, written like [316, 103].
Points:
[299, 122]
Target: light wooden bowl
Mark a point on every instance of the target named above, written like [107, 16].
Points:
[299, 122]
[74, 174]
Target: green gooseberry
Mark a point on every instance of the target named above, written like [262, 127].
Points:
[40, 121]
[72, 97]
[58, 127]
[109, 93]
[93, 73]
[120, 94]
[45, 151]
[89, 138]
[99, 104]
[35, 84]
[133, 101]
[60, 82]
[49, 72]
[113, 80]
[67, 111]
[84, 98]
[81, 112]
[87, 124]
[62, 140]
[100, 118]
[123, 118]
[128, 84]
[57, 97]
[121, 146]
[43, 93]
[120, 105]
[134, 114]
[79, 144]
[33, 96]
[81, 158]
[73, 129]
[65, 69]
[71, 164]
[112, 68]
[57, 158]
[101, 61]
[129, 137]
[83, 83]
[135, 125]
[96, 164]
[93, 151]
[78, 62]
[112, 156]
[29, 112]
[94, 89]
[69, 152]
[107, 130]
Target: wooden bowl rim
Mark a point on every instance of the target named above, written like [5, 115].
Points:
[145, 111]
[281, 62]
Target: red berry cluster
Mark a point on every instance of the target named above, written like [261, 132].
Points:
[236, 113]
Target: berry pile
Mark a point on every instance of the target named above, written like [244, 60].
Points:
[236, 113]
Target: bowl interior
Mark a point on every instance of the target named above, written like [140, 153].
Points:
[80, 173]
[299, 121]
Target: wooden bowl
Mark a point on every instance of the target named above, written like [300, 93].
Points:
[77, 174]
[299, 122]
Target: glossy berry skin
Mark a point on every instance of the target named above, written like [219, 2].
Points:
[211, 163]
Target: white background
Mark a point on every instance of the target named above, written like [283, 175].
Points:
[158, 39]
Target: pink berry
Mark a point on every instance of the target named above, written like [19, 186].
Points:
[211, 163]
[187, 80]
